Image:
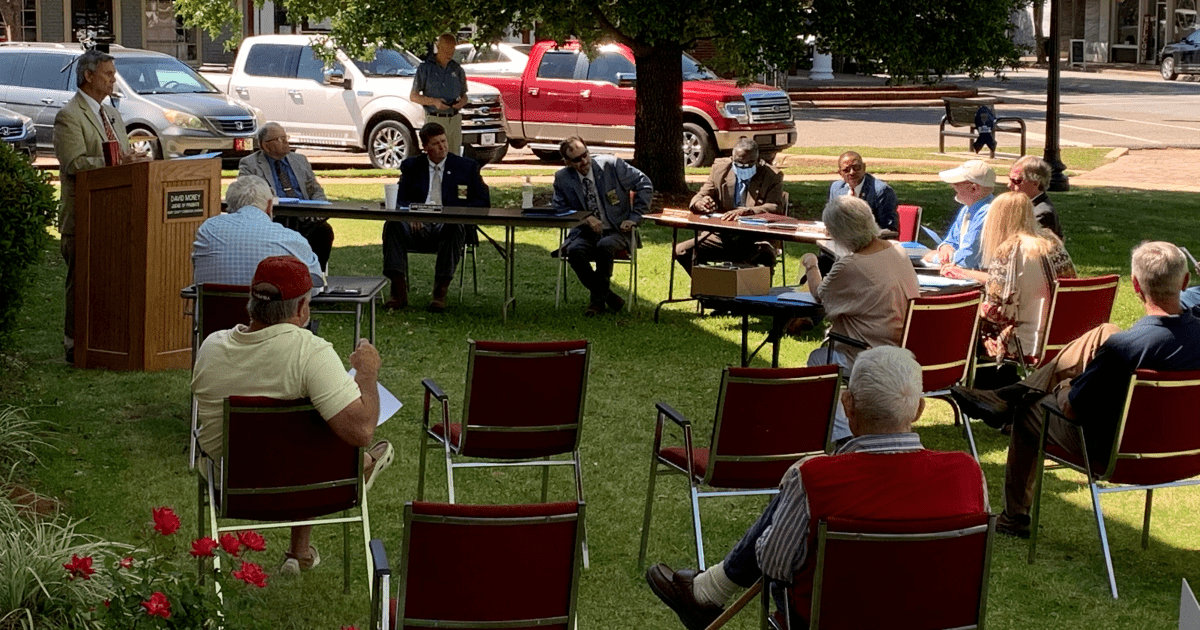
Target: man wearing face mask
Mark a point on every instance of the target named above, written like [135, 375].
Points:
[743, 186]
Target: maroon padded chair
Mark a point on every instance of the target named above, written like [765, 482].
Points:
[767, 419]
[218, 307]
[452, 555]
[524, 407]
[921, 575]
[1157, 446]
[910, 223]
[1077, 305]
[941, 331]
[283, 465]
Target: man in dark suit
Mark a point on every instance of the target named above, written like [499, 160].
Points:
[456, 182]
[290, 175]
[858, 182]
[742, 186]
[600, 187]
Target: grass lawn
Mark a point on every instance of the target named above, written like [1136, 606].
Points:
[122, 441]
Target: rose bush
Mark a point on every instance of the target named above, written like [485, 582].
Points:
[157, 585]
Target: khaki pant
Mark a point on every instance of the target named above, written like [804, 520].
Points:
[67, 248]
[1054, 378]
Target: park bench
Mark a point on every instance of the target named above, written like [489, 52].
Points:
[960, 113]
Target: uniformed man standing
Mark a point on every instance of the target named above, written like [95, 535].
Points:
[441, 86]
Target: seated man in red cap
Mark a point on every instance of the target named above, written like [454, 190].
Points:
[276, 357]
[882, 474]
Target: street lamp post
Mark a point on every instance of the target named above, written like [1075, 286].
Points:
[1058, 178]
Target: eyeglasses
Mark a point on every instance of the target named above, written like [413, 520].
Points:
[275, 139]
[1016, 181]
[853, 168]
[577, 159]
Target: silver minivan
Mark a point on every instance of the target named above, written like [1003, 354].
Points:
[168, 108]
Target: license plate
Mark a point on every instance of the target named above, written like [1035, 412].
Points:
[243, 144]
[487, 139]
[780, 139]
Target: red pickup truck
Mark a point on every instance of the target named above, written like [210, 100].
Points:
[563, 93]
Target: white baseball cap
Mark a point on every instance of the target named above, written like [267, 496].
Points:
[974, 171]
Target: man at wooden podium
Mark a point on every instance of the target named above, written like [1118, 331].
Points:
[81, 129]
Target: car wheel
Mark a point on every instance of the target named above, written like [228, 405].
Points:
[143, 140]
[1168, 69]
[547, 155]
[697, 148]
[389, 144]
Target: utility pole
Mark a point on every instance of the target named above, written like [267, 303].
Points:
[1059, 182]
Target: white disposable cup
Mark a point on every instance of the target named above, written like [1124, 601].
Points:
[390, 191]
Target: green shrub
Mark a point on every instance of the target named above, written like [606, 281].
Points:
[28, 204]
[35, 590]
[18, 437]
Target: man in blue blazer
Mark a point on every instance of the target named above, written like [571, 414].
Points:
[599, 186]
[461, 185]
[858, 182]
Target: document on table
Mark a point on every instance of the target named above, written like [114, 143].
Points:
[388, 403]
[798, 296]
[942, 281]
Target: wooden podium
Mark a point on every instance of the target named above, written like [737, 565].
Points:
[134, 227]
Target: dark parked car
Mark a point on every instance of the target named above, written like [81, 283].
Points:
[17, 130]
[1182, 57]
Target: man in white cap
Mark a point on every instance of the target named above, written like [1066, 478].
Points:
[973, 184]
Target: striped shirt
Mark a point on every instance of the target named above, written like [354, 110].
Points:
[783, 545]
[228, 247]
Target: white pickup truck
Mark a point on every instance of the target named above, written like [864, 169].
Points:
[351, 105]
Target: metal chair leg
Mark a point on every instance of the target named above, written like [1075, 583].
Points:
[579, 497]
[346, 553]
[696, 526]
[649, 508]
[421, 465]
[1112, 578]
[545, 480]
[1036, 511]
[1146, 519]
[449, 468]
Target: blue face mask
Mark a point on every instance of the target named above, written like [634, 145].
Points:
[745, 173]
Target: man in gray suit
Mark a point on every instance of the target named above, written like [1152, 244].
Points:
[600, 187]
[81, 128]
[290, 175]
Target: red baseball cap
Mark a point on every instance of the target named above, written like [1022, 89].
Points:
[286, 274]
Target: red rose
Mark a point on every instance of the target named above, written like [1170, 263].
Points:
[126, 562]
[80, 567]
[251, 574]
[165, 521]
[230, 544]
[203, 547]
[252, 540]
[158, 606]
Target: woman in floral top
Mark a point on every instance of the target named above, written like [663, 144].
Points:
[1022, 261]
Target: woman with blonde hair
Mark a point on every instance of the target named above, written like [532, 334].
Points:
[1022, 261]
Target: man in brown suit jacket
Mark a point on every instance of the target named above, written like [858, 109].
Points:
[742, 186]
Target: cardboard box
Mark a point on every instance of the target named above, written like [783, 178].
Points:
[731, 280]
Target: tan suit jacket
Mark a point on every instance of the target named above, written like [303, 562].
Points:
[764, 191]
[79, 145]
[257, 164]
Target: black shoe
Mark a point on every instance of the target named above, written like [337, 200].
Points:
[983, 404]
[594, 309]
[614, 302]
[71, 355]
[1016, 526]
[674, 588]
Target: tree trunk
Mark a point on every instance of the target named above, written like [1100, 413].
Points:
[658, 122]
[10, 10]
[1039, 38]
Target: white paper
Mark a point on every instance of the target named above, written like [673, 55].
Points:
[942, 281]
[798, 296]
[388, 403]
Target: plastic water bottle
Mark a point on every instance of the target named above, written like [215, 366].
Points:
[527, 194]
